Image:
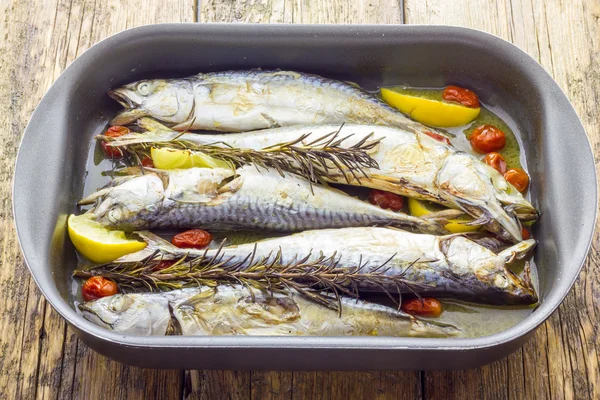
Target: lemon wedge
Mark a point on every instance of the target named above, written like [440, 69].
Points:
[430, 112]
[419, 208]
[97, 243]
[164, 158]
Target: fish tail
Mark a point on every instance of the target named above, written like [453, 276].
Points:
[524, 289]
[493, 217]
[517, 251]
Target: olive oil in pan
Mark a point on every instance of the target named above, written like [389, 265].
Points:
[511, 151]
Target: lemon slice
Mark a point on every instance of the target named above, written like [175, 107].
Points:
[164, 158]
[430, 112]
[97, 243]
[419, 208]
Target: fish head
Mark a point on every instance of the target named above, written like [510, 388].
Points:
[487, 274]
[169, 101]
[126, 205]
[483, 193]
[134, 313]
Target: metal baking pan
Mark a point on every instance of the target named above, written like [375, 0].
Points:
[50, 171]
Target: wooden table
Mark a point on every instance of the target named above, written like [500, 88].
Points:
[41, 358]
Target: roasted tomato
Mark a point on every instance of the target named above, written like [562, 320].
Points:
[97, 287]
[461, 95]
[427, 306]
[386, 200]
[194, 238]
[147, 162]
[487, 138]
[438, 137]
[518, 178]
[496, 161]
[114, 131]
[163, 264]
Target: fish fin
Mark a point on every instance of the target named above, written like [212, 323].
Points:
[429, 328]
[154, 243]
[198, 298]
[152, 125]
[152, 136]
[444, 216]
[272, 122]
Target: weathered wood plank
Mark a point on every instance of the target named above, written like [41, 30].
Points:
[98, 377]
[37, 353]
[271, 385]
[302, 11]
[208, 385]
[357, 385]
[19, 93]
[562, 360]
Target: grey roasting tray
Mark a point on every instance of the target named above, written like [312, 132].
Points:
[50, 171]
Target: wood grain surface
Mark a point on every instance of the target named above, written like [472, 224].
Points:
[41, 358]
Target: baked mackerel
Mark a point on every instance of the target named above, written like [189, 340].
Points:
[238, 101]
[233, 310]
[242, 199]
[451, 266]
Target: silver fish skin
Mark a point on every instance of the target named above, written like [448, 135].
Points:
[136, 314]
[442, 266]
[232, 310]
[413, 165]
[238, 101]
[244, 199]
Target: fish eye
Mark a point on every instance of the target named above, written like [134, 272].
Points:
[144, 88]
[115, 214]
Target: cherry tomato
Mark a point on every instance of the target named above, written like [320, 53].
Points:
[461, 95]
[97, 287]
[163, 264]
[114, 131]
[194, 238]
[427, 306]
[438, 137]
[525, 233]
[386, 200]
[496, 161]
[111, 151]
[518, 178]
[147, 162]
[487, 138]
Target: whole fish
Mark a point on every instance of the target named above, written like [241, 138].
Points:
[233, 310]
[413, 165]
[238, 101]
[227, 199]
[441, 266]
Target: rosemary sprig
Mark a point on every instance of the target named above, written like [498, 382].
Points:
[317, 161]
[310, 278]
